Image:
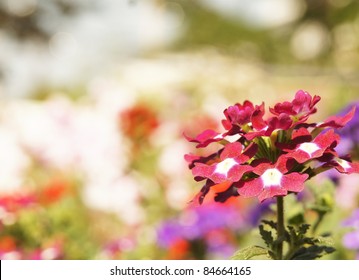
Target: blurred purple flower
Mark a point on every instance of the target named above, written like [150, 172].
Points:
[349, 134]
[351, 239]
[349, 140]
[255, 214]
[216, 224]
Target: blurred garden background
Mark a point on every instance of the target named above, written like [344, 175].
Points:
[95, 96]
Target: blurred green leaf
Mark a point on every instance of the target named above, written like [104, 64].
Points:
[249, 252]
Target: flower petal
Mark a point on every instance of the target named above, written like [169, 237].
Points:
[347, 167]
[271, 192]
[232, 150]
[294, 182]
[337, 121]
[205, 138]
[251, 188]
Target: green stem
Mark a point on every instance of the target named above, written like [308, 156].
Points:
[318, 221]
[280, 227]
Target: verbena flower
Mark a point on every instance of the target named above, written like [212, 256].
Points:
[267, 155]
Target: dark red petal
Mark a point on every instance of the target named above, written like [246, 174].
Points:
[239, 114]
[226, 124]
[205, 138]
[251, 135]
[283, 121]
[338, 122]
[231, 150]
[225, 195]
[251, 188]
[198, 199]
[301, 135]
[201, 171]
[249, 152]
[300, 156]
[327, 139]
[260, 168]
[294, 182]
[285, 107]
[257, 118]
[236, 172]
[353, 167]
[193, 159]
[284, 164]
[271, 192]
[315, 100]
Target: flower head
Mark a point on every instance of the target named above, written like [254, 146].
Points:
[271, 155]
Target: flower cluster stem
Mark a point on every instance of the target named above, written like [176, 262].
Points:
[280, 227]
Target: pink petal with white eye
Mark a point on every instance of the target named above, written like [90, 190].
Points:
[251, 188]
[232, 150]
[294, 182]
[271, 192]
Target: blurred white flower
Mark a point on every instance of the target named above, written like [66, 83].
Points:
[259, 13]
[171, 160]
[347, 193]
[310, 40]
[120, 196]
[76, 138]
[13, 161]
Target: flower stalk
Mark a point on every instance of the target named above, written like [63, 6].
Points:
[280, 227]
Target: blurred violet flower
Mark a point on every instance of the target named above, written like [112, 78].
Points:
[347, 191]
[214, 224]
[349, 134]
[351, 239]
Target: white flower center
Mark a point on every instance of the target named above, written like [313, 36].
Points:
[224, 166]
[232, 138]
[343, 163]
[219, 136]
[272, 177]
[309, 148]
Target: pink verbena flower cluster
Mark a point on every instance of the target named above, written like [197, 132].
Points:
[267, 156]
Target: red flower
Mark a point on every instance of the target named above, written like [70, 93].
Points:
[238, 114]
[54, 191]
[138, 122]
[274, 180]
[299, 109]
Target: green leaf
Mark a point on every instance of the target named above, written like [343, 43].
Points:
[296, 219]
[272, 224]
[249, 252]
[325, 241]
[266, 236]
[303, 229]
[312, 252]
